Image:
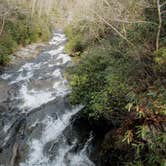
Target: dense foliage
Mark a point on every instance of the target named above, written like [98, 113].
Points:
[124, 84]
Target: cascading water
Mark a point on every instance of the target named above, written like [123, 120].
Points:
[36, 128]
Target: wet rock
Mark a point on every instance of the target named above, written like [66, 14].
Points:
[3, 107]
[14, 155]
[29, 51]
[25, 53]
[3, 91]
[36, 108]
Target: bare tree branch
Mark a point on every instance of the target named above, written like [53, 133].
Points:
[107, 3]
[163, 12]
[113, 28]
[3, 21]
[159, 25]
[3, 24]
[135, 21]
[163, 4]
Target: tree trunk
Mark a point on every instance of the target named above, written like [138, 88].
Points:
[159, 26]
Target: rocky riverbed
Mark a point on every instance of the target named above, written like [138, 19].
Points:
[38, 126]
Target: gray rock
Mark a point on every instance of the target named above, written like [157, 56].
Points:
[25, 53]
[3, 91]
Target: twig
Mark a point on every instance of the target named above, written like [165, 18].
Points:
[163, 4]
[159, 25]
[112, 27]
[135, 21]
[3, 24]
[163, 12]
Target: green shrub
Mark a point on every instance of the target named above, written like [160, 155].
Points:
[7, 47]
[77, 38]
[4, 59]
[7, 44]
[125, 87]
[100, 80]
[160, 58]
[74, 46]
[69, 31]
[22, 29]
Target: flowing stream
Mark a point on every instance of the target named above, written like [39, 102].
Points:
[36, 119]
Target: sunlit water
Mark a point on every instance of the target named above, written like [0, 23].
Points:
[38, 114]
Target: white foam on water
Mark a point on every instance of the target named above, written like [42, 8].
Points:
[6, 76]
[6, 139]
[59, 161]
[33, 99]
[27, 67]
[81, 158]
[66, 158]
[57, 39]
[34, 124]
[53, 129]
[57, 73]
[56, 85]
[61, 88]
[65, 58]
[56, 51]
[22, 77]
[6, 128]
[7, 133]
[51, 65]
[30, 66]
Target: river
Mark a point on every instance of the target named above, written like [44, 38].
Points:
[36, 120]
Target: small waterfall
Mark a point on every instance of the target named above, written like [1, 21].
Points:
[38, 115]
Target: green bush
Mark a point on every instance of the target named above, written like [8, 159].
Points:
[7, 47]
[7, 44]
[77, 41]
[4, 59]
[69, 31]
[22, 30]
[125, 86]
[160, 58]
[100, 81]
[74, 46]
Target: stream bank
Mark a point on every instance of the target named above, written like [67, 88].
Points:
[38, 125]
